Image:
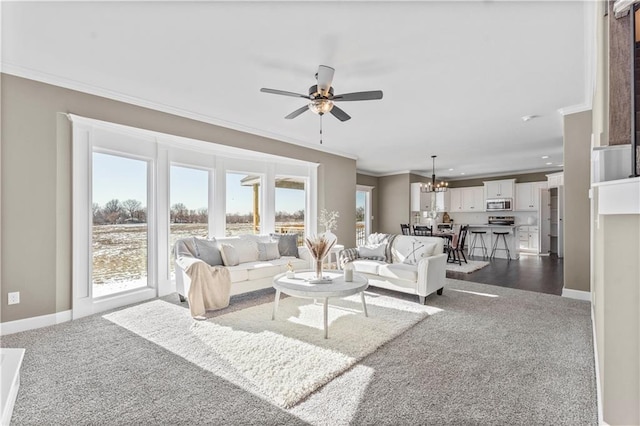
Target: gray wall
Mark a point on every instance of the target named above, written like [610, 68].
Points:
[36, 183]
[362, 179]
[395, 202]
[522, 178]
[577, 181]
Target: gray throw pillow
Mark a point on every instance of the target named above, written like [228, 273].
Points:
[268, 251]
[287, 244]
[207, 251]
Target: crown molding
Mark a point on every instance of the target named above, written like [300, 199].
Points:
[54, 80]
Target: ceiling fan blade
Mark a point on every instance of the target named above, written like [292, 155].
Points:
[359, 96]
[284, 93]
[297, 112]
[325, 78]
[340, 114]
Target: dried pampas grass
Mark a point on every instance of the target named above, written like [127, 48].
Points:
[319, 246]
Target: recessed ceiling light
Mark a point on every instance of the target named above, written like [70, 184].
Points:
[528, 117]
[462, 173]
[544, 157]
[548, 164]
[560, 165]
[450, 170]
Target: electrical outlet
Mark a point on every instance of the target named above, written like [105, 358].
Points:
[14, 298]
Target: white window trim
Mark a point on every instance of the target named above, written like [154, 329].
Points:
[367, 207]
[162, 150]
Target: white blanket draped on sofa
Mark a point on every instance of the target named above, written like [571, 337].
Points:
[209, 289]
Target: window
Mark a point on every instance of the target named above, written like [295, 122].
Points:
[290, 206]
[119, 231]
[135, 192]
[189, 201]
[243, 204]
[363, 213]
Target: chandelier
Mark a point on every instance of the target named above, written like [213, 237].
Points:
[433, 186]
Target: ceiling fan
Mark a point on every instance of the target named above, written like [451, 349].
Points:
[321, 97]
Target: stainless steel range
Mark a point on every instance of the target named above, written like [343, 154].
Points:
[502, 220]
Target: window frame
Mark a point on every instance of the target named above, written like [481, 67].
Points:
[162, 151]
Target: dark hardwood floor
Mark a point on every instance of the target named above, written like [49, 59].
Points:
[543, 274]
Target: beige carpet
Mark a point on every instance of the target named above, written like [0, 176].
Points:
[283, 360]
[472, 265]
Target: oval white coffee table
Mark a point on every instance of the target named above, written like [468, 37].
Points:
[300, 287]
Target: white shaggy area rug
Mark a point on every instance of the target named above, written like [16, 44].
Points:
[283, 360]
[470, 266]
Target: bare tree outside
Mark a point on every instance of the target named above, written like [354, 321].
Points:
[133, 208]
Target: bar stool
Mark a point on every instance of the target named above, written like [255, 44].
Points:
[481, 246]
[495, 244]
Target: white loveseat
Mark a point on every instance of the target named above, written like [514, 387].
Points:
[250, 273]
[412, 264]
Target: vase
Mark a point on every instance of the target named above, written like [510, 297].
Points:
[318, 269]
[330, 236]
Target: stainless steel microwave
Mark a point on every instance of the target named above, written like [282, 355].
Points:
[499, 204]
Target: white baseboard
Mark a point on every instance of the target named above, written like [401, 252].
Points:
[576, 294]
[17, 326]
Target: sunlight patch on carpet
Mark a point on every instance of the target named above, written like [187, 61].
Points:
[474, 292]
[283, 360]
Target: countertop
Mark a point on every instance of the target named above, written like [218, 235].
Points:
[486, 225]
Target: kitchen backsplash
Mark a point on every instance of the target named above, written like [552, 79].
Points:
[521, 218]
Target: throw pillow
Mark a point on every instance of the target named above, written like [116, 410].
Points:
[287, 244]
[374, 252]
[229, 255]
[268, 251]
[246, 248]
[419, 251]
[207, 251]
[347, 255]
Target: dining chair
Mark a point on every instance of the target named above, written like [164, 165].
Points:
[405, 228]
[422, 230]
[456, 248]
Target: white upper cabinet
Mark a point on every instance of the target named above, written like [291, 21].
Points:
[499, 188]
[421, 201]
[555, 180]
[473, 199]
[418, 199]
[455, 199]
[469, 199]
[528, 196]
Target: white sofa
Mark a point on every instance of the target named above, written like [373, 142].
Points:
[413, 264]
[249, 275]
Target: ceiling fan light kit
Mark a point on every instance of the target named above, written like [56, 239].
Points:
[322, 99]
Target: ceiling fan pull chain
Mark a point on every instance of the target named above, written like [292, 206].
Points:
[321, 129]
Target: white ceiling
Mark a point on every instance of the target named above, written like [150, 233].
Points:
[457, 76]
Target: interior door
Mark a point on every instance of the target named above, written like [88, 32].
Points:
[561, 221]
[544, 221]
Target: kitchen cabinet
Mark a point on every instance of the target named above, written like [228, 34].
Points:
[499, 188]
[528, 196]
[455, 199]
[473, 199]
[419, 200]
[528, 238]
[555, 180]
[470, 199]
[422, 201]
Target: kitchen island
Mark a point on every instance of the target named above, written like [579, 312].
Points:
[489, 239]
